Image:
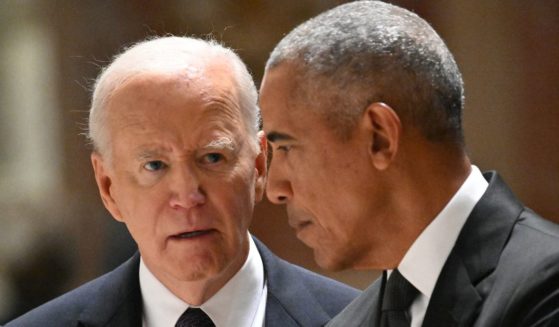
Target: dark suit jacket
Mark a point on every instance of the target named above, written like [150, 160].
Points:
[296, 297]
[502, 271]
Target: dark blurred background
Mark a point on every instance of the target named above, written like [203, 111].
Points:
[55, 233]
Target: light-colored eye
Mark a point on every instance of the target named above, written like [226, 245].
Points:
[155, 165]
[213, 158]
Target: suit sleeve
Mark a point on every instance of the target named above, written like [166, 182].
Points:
[536, 301]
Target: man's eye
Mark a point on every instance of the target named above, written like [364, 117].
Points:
[283, 148]
[212, 158]
[155, 165]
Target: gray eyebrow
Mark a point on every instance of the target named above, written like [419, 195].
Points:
[222, 143]
[147, 154]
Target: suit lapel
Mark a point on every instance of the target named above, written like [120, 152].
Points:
[375, 294]
[364, 311]
[277, 314]
[465, 279]
[455, 299]
[118, 299]
[286, 293]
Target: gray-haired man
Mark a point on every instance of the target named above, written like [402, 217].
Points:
[362, 105]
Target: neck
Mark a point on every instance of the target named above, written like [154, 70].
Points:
[421, 183]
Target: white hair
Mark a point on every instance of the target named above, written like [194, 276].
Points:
[163, 55]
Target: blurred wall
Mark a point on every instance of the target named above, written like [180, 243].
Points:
[55, 232]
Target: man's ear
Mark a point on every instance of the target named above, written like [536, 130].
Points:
[104, 183]
[384, 129]
[260, 166]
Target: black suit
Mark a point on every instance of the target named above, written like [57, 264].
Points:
[502, 271]
[296, 297]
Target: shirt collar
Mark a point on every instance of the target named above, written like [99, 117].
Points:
[425, 259]
[225, 308]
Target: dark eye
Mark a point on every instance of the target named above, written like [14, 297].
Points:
[213, 158]
[154, 165]
[283, 148]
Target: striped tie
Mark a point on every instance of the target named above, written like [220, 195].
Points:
[194, 317]
[396, 301]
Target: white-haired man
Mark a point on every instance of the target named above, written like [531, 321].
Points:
[178, 159]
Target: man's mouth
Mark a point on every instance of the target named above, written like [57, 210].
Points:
[297, 219]
[303, 224]
[193, 234]
[300, 225]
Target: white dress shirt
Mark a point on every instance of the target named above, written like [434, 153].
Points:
[424, 260]
[241, 302]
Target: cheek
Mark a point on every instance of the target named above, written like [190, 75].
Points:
[235, 199]
[242, 203]
[140, 206]
[313, 186]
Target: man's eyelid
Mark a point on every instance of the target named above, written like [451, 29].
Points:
[148, 155]
[225, 149]
[283, 143]
[216, 149]
[276, 137]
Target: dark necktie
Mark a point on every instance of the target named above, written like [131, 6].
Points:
[194, 317]
[396, 301]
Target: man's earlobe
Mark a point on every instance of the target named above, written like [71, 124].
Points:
[260, 166]
[104, 184]
[384, 127]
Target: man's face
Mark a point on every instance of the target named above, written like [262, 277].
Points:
[183, 174]
[325, 182]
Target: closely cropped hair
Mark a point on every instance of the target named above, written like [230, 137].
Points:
[369, 51]
[168, 54]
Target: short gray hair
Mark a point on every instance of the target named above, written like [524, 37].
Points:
[369, 51]
[167, 54]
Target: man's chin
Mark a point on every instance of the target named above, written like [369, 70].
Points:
[194, 268]
[196, 274]
[329, 262]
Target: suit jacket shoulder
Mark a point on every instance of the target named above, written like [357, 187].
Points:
[298, 297]
[113, 299]
[503, 269]
[363, 311]
[525, 283]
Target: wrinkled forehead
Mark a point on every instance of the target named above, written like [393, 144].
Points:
[173, 106]
[201, 83]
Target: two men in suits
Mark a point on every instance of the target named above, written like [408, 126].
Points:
[179, 160]
[362, 106]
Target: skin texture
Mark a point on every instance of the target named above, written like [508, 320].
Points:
[361, 202]
[182, 163]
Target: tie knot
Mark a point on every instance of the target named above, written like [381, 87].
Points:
[399, 293]
[194, 317]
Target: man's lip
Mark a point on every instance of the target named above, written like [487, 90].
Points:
[192, 234]
[298, 225]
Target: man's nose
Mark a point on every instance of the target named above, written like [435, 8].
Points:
[278, 187]
[186, 190]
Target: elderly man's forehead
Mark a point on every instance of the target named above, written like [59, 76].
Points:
[161, 82]
[200, 80]
[194, 64]
[157, 92]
